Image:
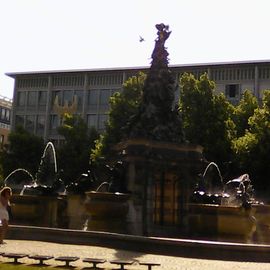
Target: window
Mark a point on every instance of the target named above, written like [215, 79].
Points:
[93, 97]
[232, 91]
[19, 120]
[40, 124]
[92, 120]
[21, 99]
[105, 96]
[42, 98]
[79, 95]
[30, 123]
[58, 95]
[3, 114]
[31, 101]
[53, 122]
[68, 98]
[102, 121]
[8, 115]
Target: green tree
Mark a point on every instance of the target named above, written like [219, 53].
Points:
[122, 107]
[206, 117]
[243, 111]
[24, 150]
[73, 154]
[253, 148]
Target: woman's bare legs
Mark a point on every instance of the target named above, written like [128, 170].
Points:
[3, 230]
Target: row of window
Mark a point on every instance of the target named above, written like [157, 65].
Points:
[95, 97]
[31, 98]
[117, 78]
[70, 80]
[37, 82]
[76, 80]
[39, 98]
[4, 126]
[264, 73]
[196, 72]
[107, 79]
[36, 123]
[232, 74]
[32, 123]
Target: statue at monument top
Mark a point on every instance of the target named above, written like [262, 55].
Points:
[160, 53]
[163, 32]
[157, 118]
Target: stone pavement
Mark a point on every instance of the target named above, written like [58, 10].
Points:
[83, 251]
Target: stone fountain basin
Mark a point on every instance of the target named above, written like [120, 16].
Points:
[25, 206]
[34, 210]
[262, 213]
[221, 220]
[106, 204]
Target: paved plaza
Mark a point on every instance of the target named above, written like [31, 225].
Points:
[83, 251]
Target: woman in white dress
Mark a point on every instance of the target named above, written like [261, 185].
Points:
[5, 194]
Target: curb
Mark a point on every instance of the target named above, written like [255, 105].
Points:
[152, 245]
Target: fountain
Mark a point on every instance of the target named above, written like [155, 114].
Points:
[47, 180]
[36, 200]
[47, 171]
[158, 165]
[229, 212]
[209, 191]
[44, 200]
[18, 179]
[107, 206]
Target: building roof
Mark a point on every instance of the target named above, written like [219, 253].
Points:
[5, 101]
[193, 65]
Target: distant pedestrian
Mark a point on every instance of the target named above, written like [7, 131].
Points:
[5, 195]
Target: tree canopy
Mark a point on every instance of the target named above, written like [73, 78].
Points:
[23, 151]
[253, 148]
[73, 154]
[122, 107]
[206, 115]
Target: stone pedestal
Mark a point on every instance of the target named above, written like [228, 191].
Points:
[107, 211]
[35, 210]
[262, 218]
[75, 211]
[231, 223]
[161, 176]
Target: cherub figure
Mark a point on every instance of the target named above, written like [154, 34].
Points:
[163, 32]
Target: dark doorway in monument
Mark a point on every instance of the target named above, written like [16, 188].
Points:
[166, 200]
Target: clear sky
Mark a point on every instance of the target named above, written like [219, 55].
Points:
[41, 35]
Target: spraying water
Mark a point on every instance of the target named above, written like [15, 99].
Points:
[218, 170]
[51, 146]
[47, 171]
[19, 178]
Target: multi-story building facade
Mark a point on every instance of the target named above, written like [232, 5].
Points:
[5, 118]
[41, 97]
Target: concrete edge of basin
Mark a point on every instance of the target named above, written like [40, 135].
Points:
[153, 245]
